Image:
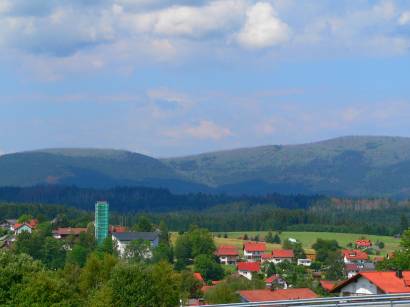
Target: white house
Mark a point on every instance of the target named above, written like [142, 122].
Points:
[252, 251]
[227, 254]
[369, 283]
[278, 256]
[246, 269]
[354, 256]
[122, 239]
[305, 262]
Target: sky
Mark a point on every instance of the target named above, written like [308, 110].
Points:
[171, 78]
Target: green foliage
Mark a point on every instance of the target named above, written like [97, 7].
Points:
[138, 250]
[143, 224]
[24, 218]
[77, 255]
[295, 275]
[136, 285]
[163, 252]
[208, 267]
[334, 266]
[325, 247]
[190, 286]
[269, 268]
[296, 247]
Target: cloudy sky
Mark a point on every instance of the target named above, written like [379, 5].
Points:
[170, 78]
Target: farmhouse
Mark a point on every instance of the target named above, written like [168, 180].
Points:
[122, 239]
[278, 256]
[64, 232]
[246, 269]
[354, 256]
[368, 283]
[276, 295]
[227, 254]
[28, 226]
[253, 251]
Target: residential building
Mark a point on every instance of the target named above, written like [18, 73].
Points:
[363, 243]
[327, 285]
[253, 251]
[117, 228]
[227, 254]
[8, 224]
[305, 262]
[276, 282]
[276, 295]
[354, 256]
[122, 239]
[369, 283]
[101, 221]
[278, 256]
[28, 226]
[64, 232]
[246, 269]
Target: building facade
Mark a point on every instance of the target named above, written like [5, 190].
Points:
[101, 221]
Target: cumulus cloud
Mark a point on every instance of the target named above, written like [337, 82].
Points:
[203, 130]
[263, 28]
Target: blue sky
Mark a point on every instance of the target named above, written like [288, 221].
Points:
[169, 78]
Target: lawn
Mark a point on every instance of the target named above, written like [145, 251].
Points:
[308, 238]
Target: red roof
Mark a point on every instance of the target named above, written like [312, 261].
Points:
[387, 282]
[277, 295]
[227, 250]
[205, 289]
[216, 282]
[282, 253]
[248, 266]
[355, 254]
[65, 231]
[31, 223]
[271, 279]
[117, 229]
[266, 256]
[254, 246]
[327, 284]
[198, 276]
[363, 243]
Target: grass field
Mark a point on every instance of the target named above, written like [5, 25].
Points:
[306, 238]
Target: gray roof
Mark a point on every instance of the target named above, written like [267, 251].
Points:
[131, 236]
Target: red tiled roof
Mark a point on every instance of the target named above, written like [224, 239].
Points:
[66, 231]
[327, 284]
[198, 276]
[117, 229]
[387, 282]
[277, 295]
[204, 289]
[254, 246]
[248, 266]
[363, 243]
[282, 253]
[271, 279]
[266, 256]
[32, 224]
[227, 250]
[355, 254]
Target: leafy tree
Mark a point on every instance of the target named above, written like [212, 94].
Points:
[53, 253]
[163, 252]
[324, 248]
[13, 268]
[190, 286]
[107, 246]
[77, 255]
[44, 288]
[222, 294]
[101, 297]
[208, 267]
[144, 224]
[138, 250]
[163, 233]
[404, 223]
[296, 247]
[276, 239]
[269, 268]
[334, 266]
[245, 237]
[269, 237]
[24, 218]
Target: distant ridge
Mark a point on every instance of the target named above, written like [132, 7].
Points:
[354, 166]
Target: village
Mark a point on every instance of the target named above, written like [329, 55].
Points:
[287, 273]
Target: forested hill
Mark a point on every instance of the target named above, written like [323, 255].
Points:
[349, 166]
[137, 199]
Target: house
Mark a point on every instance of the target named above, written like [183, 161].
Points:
[276, 295]
[116, 228]
[122, 239]
[246, 269]
[276, 282]
[354, 256]
[253, 251]
[351, 269]
[327, 285]
[363, 243]
[199, 277]
[305, 262]
[227, 254]
[278, 256]
[28, 226]
[64, 232]
[369, 283]
[8, 224]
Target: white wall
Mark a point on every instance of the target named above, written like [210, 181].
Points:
[361, 287]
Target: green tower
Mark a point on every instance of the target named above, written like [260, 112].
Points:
[101, 221]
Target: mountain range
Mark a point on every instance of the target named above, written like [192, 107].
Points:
[352, 166]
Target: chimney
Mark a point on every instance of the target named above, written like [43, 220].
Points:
[399, 274]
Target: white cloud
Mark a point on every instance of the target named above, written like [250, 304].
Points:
[404, 18]
[263, 28]
[203, 130]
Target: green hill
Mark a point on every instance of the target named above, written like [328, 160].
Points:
[347, 166]
[352, 166]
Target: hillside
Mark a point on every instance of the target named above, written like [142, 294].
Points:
[351, 166]
[87, 168]
[346, 166]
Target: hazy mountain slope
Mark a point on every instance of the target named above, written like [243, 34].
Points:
[86, 167]
[354, 166]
